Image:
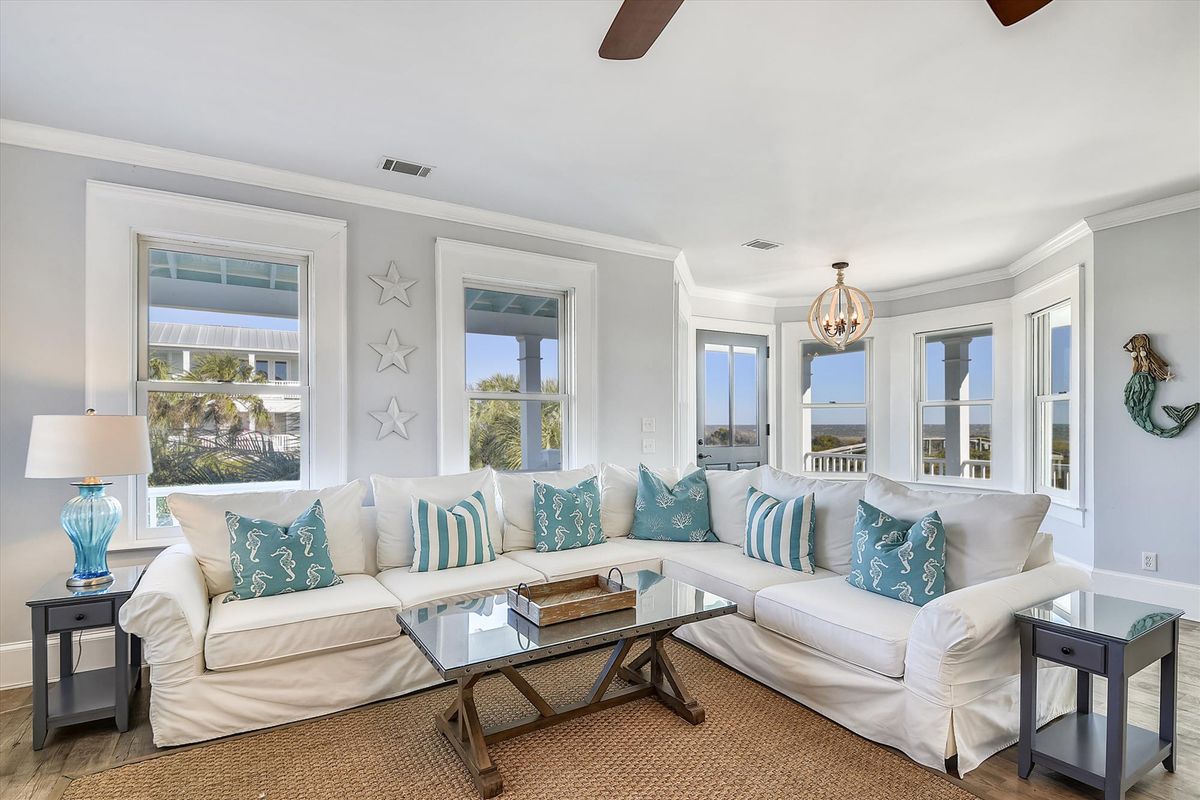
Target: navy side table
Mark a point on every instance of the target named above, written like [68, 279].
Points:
[93, 694]
[1099, 635]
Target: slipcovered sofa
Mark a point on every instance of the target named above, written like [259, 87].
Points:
[935, 681]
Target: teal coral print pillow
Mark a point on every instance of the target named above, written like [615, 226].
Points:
[896, 558]
[676, 513]
[781, 532]
[268, 558]
[564, 519]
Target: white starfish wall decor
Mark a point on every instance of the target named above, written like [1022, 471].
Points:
[393, 286]
[392, 353]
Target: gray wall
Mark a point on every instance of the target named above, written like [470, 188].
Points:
[1147, 280]
[42, 348]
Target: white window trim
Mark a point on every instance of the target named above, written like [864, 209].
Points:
[458, 263]
[920, 404]
[117, 216]
[687, 453]
[1067, 286]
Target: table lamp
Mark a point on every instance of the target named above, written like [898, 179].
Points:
[86, 446]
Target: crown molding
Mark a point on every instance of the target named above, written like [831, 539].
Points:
[1144, 211]
[1048, 248]
[41, 137]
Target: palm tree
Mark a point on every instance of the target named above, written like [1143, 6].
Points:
[495, 425]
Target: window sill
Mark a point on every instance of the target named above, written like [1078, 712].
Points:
[1066, 512]
[974, 486]
[835, 476]
[133, 545]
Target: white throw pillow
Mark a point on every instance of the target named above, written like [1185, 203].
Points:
[618, 491]
[202, 518]
[393, 504]
[727, 492]
[516, 500]
[988, 536]
[836, 504]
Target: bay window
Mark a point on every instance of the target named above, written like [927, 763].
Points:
[954, 406]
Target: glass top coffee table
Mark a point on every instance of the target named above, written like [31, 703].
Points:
[467, 640]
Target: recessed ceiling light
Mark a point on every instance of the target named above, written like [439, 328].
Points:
[761, 244]
[404, 167]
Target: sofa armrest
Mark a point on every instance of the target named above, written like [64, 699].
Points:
[169, 611]
[971, 634]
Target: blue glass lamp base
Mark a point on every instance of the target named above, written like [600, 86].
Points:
[89, 521]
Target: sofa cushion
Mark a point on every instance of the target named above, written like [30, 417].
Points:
[516, 500]
[358, 611]
[451, 585]
[594, 560]
[202, 519]
[618, 492]
[449, 538]
[847, 623]
[393, 503]
[727, 502]
[269, 558]
[988, 535]
[731, 574]
[903, 560]
[836, 503]
[675, 512]
[654, 549]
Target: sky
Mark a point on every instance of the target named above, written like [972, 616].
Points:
[488, 354]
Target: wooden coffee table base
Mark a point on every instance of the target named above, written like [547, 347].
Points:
[460, 722]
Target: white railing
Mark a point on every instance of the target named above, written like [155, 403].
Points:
[851, 458]
[937, 444]
[974, 468]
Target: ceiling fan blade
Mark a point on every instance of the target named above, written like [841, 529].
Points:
[1010, 12]
[636, 27]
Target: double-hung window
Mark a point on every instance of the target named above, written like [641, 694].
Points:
[954, 408]
[518, 389]
[221, 371]
[835, 408]
[1052, 398]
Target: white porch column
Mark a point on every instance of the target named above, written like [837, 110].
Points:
[958, 418]
[532, 455]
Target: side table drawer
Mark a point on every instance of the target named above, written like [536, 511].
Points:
[1074, 652]
[83, 615]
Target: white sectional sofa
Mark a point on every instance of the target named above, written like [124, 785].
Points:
[934, 681]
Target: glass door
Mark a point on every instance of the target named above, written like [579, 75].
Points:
[731, 400]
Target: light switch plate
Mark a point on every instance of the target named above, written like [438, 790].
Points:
[648, 424]
[647, 446]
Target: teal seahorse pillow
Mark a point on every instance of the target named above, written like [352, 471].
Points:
[268, 558]
[564, 519]
[676, 513]
[896, 558]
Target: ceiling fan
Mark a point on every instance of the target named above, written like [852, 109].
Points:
[639, 23]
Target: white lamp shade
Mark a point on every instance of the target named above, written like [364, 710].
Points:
[81, 446]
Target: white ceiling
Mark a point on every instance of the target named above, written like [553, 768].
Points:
[917, 140]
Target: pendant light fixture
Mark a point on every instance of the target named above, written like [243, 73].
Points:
[841, 314]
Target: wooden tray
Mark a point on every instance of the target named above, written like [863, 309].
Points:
[573, 598]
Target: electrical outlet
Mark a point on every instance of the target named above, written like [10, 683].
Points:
[1150, 561]
[648, 424]
[647, 446]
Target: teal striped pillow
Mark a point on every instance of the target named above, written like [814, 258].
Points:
[451, 537]
[781, 532]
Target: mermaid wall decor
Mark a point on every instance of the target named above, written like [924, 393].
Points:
[1148, 369]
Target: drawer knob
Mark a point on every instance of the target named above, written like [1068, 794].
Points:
[1066, 651]
[80, 617]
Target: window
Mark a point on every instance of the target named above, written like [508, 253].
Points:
[222, 415]
[516, 396]
[1052, 397]
[836, 408]
[954, 409]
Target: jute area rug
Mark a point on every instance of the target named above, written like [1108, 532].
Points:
[754, 743]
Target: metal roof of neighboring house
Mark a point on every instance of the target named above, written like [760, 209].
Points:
[223, 337]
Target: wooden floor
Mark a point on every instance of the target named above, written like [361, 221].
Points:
[81, 749]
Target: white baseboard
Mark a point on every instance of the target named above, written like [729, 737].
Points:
[16, 658]
[1175, 594]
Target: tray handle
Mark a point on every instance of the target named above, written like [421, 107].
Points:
[619, 574]
[525, 596]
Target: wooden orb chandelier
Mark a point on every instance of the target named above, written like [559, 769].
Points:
[841, 314]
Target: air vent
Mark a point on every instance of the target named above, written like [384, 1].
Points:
[761, 244]
[404, 167]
